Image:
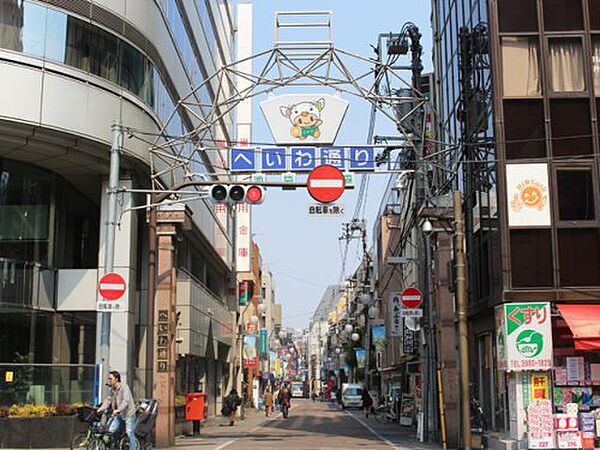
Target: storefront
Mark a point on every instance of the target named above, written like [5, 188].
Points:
[552, 362]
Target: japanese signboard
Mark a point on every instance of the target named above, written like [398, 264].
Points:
[408, 340]
[242, 238]
[524, 336]
[395, 314]
[304, 118]
[333, 209]
[540, 386]
[250, 359]
[528, 196]
[540, 427]
[263, 340]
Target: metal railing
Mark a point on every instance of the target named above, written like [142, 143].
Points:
[46, 384]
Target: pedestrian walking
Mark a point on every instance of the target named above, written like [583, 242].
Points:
[367, 402]
[268, 401]
[284, 400]
[120, 401]
[230, 405]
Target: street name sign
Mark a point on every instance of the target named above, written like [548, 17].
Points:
[326, 183]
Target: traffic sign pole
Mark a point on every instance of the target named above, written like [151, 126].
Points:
[102, 348]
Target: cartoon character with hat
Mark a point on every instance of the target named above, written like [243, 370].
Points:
[305, 118]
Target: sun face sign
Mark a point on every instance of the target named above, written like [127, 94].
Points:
[530, 194]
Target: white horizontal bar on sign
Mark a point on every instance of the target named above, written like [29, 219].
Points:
[326, 183]
[112, 286]
[411, 297]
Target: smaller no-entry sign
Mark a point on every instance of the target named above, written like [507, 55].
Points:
[111, 289]
[411, 299]
[326, 183]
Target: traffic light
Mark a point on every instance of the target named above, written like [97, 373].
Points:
[237, 193]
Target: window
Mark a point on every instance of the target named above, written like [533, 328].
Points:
[521, 52]
[596, 63]
[563, 15]
[579, 257]
[531, 258]
[571, 127]
[566, 65]
[594, 9]
[575, 194]
[524, 129]
[517, 15]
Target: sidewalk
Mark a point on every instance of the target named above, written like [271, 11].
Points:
[217, 429]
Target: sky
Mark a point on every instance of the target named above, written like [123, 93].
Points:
[305, 253]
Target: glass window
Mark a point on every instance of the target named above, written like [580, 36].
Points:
[34, 29]
[566, 65]
[579, 257]
[570, 121]
[517, 15]
[521, 53]
[524, 129]
[531, 258]
[594, 9]
[563, 15]
[575, 195]
[596, 63]
[11, 19]
[56, 35]
[104, 54]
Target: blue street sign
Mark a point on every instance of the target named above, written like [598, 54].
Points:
[304, 158]
[242, 159]
[362, 158]
[273, 159]
[335, 157]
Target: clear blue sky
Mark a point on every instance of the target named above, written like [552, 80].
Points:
[304, 253]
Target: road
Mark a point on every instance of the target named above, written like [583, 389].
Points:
[309, 426]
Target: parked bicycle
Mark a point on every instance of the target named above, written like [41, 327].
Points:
[385, 413]
[99, 437]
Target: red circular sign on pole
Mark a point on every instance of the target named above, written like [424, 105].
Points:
[326, 183]
[411, 298]
[112, 286]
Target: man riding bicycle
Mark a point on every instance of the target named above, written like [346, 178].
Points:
[121, 402]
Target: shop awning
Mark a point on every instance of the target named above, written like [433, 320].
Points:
[584, 322]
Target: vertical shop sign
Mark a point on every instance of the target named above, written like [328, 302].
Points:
[395, 314]
[250, 360]
[524, 336]
[408, 340]
[361, 358]
[540, 386]
[263, 336]
[242, 238]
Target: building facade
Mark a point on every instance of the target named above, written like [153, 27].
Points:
[71, 70]
[517, 84]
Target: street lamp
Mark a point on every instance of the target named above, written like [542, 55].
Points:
[262, 308]
[338, 350]
[254, 320]
[374, 312]
[282, 334]
[427, 227]
[355, 337]
[348, 328]
[366, 298]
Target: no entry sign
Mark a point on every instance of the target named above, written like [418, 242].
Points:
[112, 288]
[326, 183]
[411, 299]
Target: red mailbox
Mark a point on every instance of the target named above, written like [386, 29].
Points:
[194, 406]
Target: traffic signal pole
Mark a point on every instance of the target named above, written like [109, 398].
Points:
[103, 348]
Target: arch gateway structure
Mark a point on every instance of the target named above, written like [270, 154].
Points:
[315, 79]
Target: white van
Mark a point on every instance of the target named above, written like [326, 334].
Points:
[352, 395]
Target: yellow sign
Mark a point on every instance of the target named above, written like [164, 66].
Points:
[540, 386]
[8, 376]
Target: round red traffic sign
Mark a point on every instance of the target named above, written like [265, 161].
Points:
[411, 298]
[326, 183]
[112, 286]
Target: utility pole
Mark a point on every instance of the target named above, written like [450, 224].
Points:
[461, 310]
[103, 350]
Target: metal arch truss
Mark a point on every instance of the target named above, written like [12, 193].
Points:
[288, 64]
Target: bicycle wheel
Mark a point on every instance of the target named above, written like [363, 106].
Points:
[124, 443]
[80, 440]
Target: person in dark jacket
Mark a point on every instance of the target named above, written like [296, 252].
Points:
[284, 400]
[232, 401]
[367, 402]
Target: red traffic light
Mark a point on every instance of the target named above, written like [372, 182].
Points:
[236, 193]
[255, 195]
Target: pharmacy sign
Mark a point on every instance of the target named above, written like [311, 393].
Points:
[524, 336]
